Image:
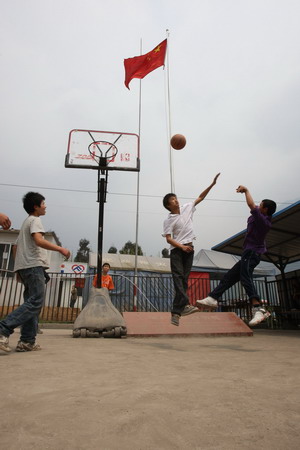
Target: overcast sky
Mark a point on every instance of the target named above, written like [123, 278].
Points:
[235, 95]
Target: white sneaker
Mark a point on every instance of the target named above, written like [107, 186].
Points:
[4, 344]
[259, 315]
[208, 301]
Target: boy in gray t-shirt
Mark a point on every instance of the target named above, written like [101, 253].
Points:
[30, 264]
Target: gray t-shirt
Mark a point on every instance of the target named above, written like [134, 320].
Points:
[28, 253]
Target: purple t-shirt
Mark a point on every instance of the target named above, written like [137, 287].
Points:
[257, 228]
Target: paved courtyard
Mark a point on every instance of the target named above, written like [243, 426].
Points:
[153, 393]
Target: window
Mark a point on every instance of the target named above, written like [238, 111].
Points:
[6, 260]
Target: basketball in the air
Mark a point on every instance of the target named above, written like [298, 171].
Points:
[178, 141]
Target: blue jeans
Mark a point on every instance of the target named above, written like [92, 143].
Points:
[27, 315]
[242, 271]
[181, 264]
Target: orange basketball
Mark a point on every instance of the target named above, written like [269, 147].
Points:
[178, 141]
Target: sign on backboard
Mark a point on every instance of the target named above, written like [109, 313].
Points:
[88, 149]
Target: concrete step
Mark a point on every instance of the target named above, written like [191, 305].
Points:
[201, 323]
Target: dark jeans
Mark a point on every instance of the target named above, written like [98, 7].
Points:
[181, 264]
[27, 315]
[72, 302]
[242, 271]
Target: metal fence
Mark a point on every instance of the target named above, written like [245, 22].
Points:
[152, 293]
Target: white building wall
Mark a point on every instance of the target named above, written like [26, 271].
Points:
[55, 259]
[12, 291]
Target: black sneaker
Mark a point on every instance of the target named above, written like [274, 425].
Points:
[189, 309]
[27, 347]
[175, 319]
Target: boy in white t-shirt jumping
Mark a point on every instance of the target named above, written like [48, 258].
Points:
[179, 233]
[30, 264]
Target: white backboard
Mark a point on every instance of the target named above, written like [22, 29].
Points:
[89, 149]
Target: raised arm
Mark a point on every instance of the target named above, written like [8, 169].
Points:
[249, 199]
[206, 191]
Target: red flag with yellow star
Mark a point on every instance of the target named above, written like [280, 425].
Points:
[140, 66]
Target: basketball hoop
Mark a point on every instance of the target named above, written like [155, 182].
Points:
[99, 148]
[102, 151]
[88, 149]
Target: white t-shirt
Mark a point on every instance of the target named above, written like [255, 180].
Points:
[180, 226]
[28, 253]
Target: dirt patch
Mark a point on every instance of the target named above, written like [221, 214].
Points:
[152, 393]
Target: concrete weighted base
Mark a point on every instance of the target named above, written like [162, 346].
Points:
[99, 318]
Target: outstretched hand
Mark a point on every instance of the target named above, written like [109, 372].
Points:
[241, 189]
[216, 177]
[206, 191]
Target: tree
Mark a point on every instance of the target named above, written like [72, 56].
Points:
[165, 253]
[83, 251]
[113, 249]
[129, 249]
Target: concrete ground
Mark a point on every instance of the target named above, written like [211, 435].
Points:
[152, 393]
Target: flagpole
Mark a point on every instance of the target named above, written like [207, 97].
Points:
[168, 108]
[137, 202]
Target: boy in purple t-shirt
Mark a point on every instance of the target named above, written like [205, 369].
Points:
[259, 223]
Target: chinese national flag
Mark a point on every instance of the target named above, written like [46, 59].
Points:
[140, 66]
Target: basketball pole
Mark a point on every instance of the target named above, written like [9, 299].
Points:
[102, 187]
[137, 202]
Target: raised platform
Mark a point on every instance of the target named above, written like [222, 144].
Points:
[147, 324]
